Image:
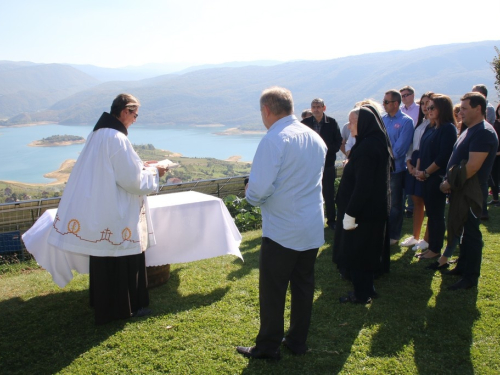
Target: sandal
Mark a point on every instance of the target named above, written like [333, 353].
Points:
[435, 266]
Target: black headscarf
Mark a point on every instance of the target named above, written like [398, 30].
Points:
[109, 121]
[371, 125]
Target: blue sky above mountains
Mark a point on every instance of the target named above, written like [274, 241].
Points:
[121, 33]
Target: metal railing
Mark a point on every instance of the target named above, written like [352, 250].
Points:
[20, 216]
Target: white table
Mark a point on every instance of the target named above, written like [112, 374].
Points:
[188, 226]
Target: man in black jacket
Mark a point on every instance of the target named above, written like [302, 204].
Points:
[329, 130]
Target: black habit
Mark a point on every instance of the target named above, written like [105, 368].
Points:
[364, 193]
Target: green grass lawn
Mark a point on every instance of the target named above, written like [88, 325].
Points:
[209, 307]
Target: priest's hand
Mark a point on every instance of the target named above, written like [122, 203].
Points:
[349, 222]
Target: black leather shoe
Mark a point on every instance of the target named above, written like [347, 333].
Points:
[453, 272]
[293, 351]
[254, 352]
[461, 284]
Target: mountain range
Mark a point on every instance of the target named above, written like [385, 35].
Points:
[229, 95]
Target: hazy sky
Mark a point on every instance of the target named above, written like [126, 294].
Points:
[114, 33]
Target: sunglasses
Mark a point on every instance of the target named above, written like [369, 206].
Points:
[431, 108]
[389, 101]
[406, 95]
[135, 114]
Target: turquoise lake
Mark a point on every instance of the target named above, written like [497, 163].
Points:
[20, 162]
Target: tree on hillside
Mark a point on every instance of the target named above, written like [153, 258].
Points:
[495, 65]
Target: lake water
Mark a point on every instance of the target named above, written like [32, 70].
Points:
[22, 163]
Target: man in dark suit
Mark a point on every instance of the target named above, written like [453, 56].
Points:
[329, 130]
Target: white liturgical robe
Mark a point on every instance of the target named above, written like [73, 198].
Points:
[101, 207]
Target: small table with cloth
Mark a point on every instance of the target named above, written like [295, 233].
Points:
[188, 226]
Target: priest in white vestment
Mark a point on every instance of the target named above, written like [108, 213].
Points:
[104, 213]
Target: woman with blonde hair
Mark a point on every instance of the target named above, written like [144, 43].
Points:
[413, 186]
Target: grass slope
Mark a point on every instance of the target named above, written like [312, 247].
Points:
[209, 307]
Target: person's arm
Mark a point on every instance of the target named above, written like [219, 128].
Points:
[265, 168]
[447, 140]
[402, 144]
[129, 170]
[490, 114]
[476, 160]
[342, 146]
[337, 138]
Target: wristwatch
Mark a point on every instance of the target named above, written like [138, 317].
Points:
[427, 175]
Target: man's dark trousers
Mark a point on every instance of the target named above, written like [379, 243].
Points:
[471, 250]
[278, 266]
[329, 176]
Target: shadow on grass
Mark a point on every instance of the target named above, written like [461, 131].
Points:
[54, 330]
[250, 251]
[447, 332]
[408, 316]
[166, 299]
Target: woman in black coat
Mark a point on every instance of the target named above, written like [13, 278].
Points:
[436, 147]
[363, 202]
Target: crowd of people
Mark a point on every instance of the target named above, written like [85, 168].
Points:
[427, 151]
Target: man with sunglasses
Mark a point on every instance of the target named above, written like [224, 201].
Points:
[104, 214]
[399, 127]
[409, 107]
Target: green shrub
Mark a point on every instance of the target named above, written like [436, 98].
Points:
[246, 217]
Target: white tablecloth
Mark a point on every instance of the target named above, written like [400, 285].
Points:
[188, 226]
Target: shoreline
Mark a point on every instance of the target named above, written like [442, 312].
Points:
[29, 124]
[238, 131]
[55, 144]
[61, 176]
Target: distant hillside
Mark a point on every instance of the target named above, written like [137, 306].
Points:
[230, 95]
[29, 87]
[135, 73]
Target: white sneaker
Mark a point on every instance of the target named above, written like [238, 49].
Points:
[393, 242]
[410, 241]
[421, 245]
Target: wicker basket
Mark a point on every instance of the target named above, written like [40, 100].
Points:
[158, 275]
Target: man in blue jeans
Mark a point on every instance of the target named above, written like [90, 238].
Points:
[400, 130]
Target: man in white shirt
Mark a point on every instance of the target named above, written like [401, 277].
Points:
[285, 181]
[409, 106]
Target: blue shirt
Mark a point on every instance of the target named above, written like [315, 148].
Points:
[400, 131]
[285, 181]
